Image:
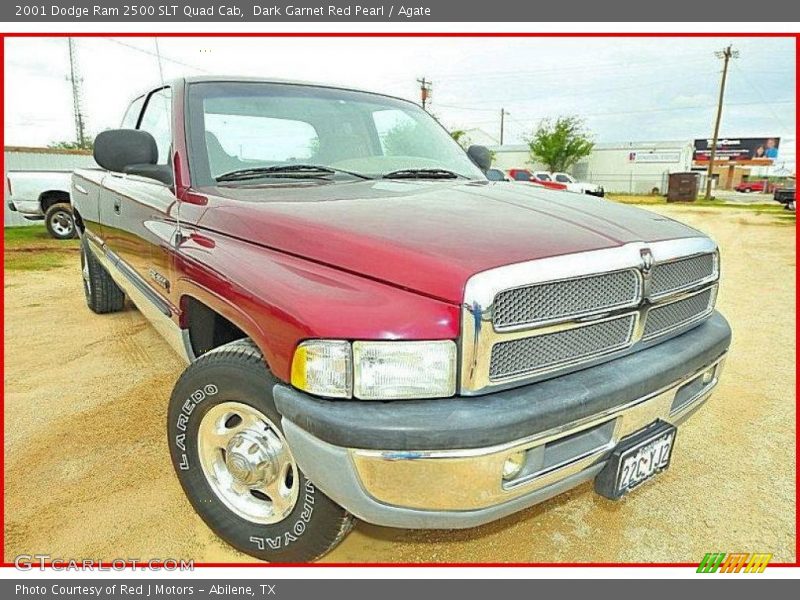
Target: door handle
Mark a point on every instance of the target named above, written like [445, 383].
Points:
[116, 206]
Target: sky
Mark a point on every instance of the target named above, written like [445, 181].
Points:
[625, 89]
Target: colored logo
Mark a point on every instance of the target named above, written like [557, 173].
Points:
[720, 562]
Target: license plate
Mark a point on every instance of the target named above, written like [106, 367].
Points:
[636, 460]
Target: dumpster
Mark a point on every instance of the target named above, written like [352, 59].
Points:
[683, 187]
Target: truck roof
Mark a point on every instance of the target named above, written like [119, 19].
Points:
[250, 79]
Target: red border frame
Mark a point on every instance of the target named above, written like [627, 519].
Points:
[4, 35]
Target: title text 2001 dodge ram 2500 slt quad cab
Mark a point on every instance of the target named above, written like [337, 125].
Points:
[377, 331]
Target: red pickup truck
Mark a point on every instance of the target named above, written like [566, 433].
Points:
[528, 177]
[373, 329]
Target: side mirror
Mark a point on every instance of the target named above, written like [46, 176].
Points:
[481, 156]
[130, 151]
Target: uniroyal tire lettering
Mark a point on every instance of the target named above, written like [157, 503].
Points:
[187, 409]
[297, 529]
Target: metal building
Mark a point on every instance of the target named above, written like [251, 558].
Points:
[633, 167]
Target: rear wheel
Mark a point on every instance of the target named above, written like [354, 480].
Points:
[59, 221]
[102, 294]
[235, 465]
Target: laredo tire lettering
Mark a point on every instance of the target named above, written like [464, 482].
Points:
[239, 374]
[187, 408]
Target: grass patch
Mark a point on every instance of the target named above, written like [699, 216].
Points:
[30, 248]
[761, 207]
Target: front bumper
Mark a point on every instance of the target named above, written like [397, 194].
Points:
[438, 463]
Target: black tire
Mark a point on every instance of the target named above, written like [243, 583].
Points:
[59, 221]
[102, 294]
[237, 372]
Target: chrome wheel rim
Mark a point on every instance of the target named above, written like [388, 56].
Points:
[61, 223]
[247, 463]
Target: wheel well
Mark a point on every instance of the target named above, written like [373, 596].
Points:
[207, 328]
[47, 199]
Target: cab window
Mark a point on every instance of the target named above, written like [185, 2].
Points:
[131, 118]
[157, 119]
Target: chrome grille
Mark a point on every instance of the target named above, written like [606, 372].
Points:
[681, 274]
[528, 321]
[661, 319]
[556, 300]
[529, 355]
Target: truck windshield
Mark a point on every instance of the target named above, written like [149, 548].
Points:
[236, 126]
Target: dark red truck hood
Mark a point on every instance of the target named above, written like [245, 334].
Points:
[427, 236]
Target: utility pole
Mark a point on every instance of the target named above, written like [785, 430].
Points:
[503, 113]
[425, 90]
[726, 55]
[75, 79]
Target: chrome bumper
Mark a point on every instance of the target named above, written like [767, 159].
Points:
[464, 488]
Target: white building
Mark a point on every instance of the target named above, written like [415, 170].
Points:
[633, 168]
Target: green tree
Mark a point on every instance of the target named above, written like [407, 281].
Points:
[403, 140]
[460, 136]
[561, 143]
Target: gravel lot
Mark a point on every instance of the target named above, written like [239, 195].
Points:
[88, 471]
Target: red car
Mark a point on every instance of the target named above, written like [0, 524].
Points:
[752, 186]
[376, 331]
[536, 179]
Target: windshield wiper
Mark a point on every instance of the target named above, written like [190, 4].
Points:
[293, 171]
[422, 174]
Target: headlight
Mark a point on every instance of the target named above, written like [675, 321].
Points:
[384, 370]
[376, 370]
[324, 368]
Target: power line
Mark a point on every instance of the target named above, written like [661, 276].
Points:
[157, 55]
[656, 110]
[757, 90]
[593, 68]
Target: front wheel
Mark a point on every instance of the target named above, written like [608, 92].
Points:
[102, 294]
[235, 465]
[59, 221]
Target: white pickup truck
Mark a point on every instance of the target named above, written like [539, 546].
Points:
[580, 187]
[38, 195]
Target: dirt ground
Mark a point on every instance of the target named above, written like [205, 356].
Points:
[88, 471]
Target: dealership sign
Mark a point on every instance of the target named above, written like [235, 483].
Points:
[738, 149]
[654, 157]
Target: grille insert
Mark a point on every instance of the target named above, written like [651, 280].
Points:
[662, 319]
[568, 298]
[532, 354]
[681, 274]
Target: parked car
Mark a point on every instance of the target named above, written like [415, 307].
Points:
[752, 186]
[579, 187]
[539, 178]
[43, 195]
[496, 175]
[786, 196]
[374, 331]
